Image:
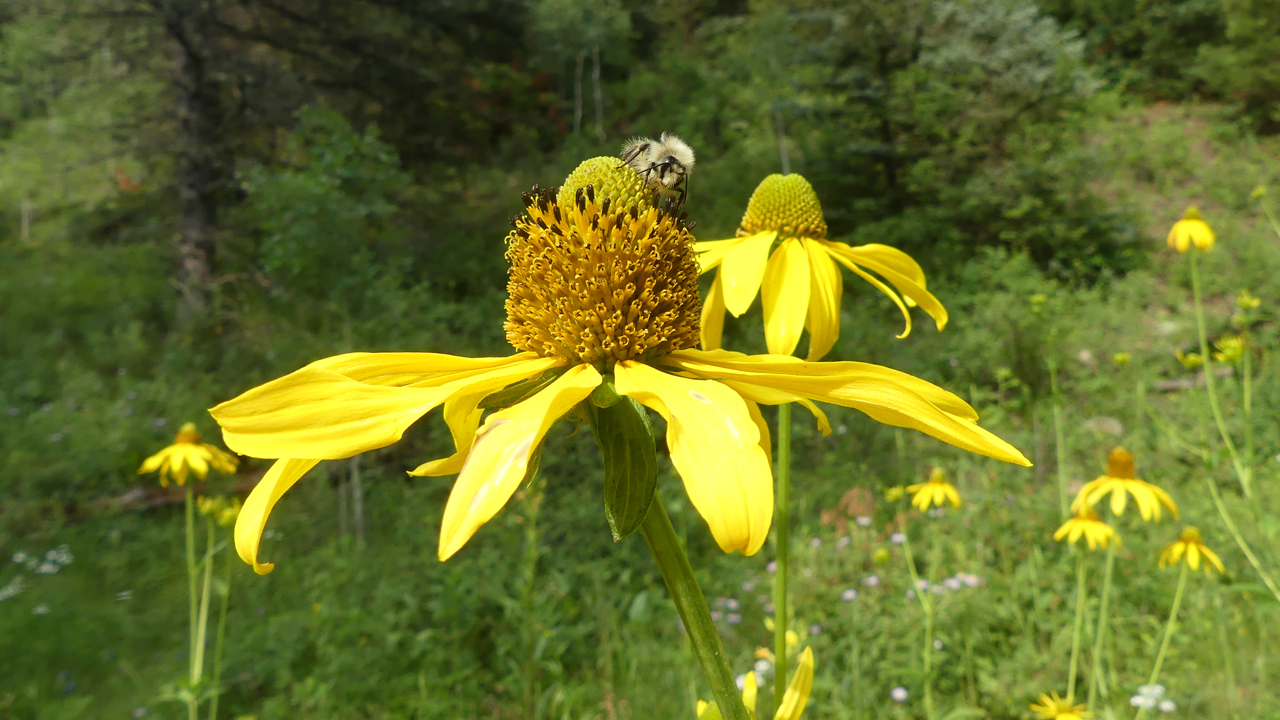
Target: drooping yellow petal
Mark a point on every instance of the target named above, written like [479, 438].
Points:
[769, 396]
[766, 442]
[826, 287]
[257, 508]
[319, 412]
[712, 327]
[500, 456]
[194, 456]
[742, 270]
[1213, 559]
[463, 417]
[879, 285]
[888, 396]
[797, 695]
[1193, 556]
[154, 462]
[715, 446]
[900, 270]
[786, 296]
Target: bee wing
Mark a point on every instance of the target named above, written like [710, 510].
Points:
[634, 148]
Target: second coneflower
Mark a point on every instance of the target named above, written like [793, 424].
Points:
[1120, 483]
[782, 253]
[937, 491]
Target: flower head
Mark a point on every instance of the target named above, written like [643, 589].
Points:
[1190, 547]
[1230, 349]
[1052, 707]
[1121, 359]
[936, 491]
[1120, 483]
[793, 702]
[1086, 523]
[602, 300]
[223, 511]
[1191, 230]
[1246, 301]
[781, 252]
[1190, 361]
[187, 455]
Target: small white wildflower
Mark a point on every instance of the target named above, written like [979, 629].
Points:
[953, 583]
[1168, 706]
[732, 603]
[843, 542]
[937, 644]
[14, 587]
[922, 584]
[741, 682]
[842, 429]
[871, 581]
[733, 618]
[748, 586]
[897, 538]
[124, 595]
[772, 566]
[47, 568]
[815, 629]
[899, 694]
[849, 595]
[816, 542]
[863, 521]
[763, 667]
[41, 609]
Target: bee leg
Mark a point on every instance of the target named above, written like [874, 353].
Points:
[635, 153]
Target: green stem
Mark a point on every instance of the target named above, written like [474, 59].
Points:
[1079, 624]
[1244, 546]
[1242, 472]
[1168, 632]
[692, 607]
[1247, 391]
[202, 625]
[191, 581]
[1104, 623]
[1058, 442]
[217, 643]
[533, 504]
[781, 525]
[926, 604]
[1270, 217]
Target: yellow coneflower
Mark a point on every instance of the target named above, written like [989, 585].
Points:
[223, 511]
[1230, 349]
[1052, 707]
[1246, 301]
[793, 702]
[1086, 523]
[937, 491]
[1191, 360]
[1191, 230]
[601, 295]
[1190, 547]
[1119, 481]
[1121, 359]
[798, 279]
[188, 455]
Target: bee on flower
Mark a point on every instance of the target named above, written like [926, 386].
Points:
[188, 455]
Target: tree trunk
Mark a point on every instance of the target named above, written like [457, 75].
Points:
[595, 85]
[357, 502]
[577, 93]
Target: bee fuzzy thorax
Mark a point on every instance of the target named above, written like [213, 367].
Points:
[664, 163]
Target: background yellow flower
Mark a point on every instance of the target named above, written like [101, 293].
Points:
[188, 456]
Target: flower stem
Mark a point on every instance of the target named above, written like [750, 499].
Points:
[191, 581]
[692, 606]
[781, 525]
[1058, 442]
[1168, 632]
[1240, 542]
[202, 624]
[1095, 678]
[1242, 472]
[1247, 392]
[1075, 631]
[217, 643]
[927, 605]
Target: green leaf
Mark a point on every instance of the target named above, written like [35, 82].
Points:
[625, 437]
[521, 391]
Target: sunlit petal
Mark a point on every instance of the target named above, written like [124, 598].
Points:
[749, 691]
[742, 270]
[711, 252]
[463, 418]
[713, 316]
[826, 287]
[766, 442]
[257, 508]
[797, 695]
[715, 446]
[319, 412]
[888, 396]
[900, 270]
[500, 455]
[786, 296]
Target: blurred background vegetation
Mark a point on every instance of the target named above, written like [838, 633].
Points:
[198, 195]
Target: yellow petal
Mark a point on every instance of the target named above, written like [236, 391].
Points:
[826, 287]
[319, 412]
[769, 396]
[715, 446]
[257, 508]
[463, 418]
[888, 396]
[879, 285]
[901, 271]
[1119, 499]
[711, 252]
[797, 695]
[154, 462]
[702, 707]
[766, 442]
[749, 691]
[500, 455]
[1193, 556]
[196, 460]
[786, 296]
[953, 495]
[743, 269]
[713, 316]
[1212, 557]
